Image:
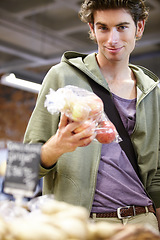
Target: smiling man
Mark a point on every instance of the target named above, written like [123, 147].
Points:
[116, 40]
[99, 176]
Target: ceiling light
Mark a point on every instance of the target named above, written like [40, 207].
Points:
[12, 81]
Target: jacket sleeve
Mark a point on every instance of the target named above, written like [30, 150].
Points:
[154, 188]
[42, 125]
[146, 140]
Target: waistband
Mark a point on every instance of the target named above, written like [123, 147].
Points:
[125, 212]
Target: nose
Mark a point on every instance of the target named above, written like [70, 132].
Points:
[113, 37]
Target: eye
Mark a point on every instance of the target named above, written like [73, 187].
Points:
[122, 27]
[103, 28]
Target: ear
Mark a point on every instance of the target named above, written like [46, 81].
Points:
[92, 34]
[140, 29]
[91, 26]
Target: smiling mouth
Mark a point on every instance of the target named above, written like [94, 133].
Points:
[114, 49]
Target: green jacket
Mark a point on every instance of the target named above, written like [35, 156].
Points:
[73, 178]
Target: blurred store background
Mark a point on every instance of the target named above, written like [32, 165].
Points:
[33, 36]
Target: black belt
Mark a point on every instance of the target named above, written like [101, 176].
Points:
[125, 212]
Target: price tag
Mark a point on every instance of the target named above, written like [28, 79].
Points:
[22, 169]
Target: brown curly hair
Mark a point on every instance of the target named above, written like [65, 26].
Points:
[137, 9]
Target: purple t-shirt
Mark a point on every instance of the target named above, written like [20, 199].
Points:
[117, 182]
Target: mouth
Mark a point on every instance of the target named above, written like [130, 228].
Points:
[114, 50]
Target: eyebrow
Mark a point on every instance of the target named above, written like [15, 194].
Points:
[119, 24]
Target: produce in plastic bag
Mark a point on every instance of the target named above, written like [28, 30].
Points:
[55, 220]
[106, 132]
[82, 106]
[38, 202]
[9, 210]
[77, 103]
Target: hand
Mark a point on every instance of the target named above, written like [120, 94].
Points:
[66, 140]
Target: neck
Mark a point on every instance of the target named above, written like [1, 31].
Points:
[119, 77]
[114, 71]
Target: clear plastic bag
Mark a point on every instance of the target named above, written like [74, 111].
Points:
[9, 210]
[36, 203]
[80, 105]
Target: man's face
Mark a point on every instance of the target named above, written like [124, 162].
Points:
[115, 33]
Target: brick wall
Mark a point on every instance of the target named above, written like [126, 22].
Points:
[16, 107]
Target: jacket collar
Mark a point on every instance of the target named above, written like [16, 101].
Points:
[146, 80]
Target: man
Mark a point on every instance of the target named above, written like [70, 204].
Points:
[100, 176]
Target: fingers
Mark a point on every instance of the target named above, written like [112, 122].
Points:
[76, 133]
[86, 141]
[85, 136]
[87, 132]
[63, 121]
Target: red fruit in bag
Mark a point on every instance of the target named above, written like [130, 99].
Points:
[106, 132]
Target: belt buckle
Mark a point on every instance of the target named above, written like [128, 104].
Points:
[126, 207]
